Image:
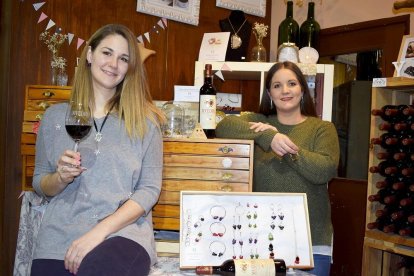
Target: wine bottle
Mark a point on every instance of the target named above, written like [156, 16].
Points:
[388, 141]
[309, 30]
[288, 28]
[262, 267]
[207, 109]
[384, 111]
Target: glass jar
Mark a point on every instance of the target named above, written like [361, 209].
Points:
[174, 125]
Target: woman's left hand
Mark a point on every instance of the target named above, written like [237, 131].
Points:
[79, 248]
[258, 126]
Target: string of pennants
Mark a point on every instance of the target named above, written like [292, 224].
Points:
[162, 23]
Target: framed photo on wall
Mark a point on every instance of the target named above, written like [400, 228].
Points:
[254, 7]
[218, 226]
[406, 57]
[186, 11]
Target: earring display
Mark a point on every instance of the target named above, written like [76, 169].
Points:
[217, 226]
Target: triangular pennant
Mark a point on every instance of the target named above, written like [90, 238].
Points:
[21, 194]
[164, 20]
[50, 24]
[80, 42]
[70, 38]
[42, 17]
[225, 67]
[37, 6]
[198, 132]
[147, 36]
[219, 74]
[160, 24]
[140, 39]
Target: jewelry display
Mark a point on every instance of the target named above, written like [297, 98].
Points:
[217, 248]
[235, 40]
[218, 212]
[217, 229]
[226, 227]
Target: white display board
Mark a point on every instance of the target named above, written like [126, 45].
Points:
[217, 226]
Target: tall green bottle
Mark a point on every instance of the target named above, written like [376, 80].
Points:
[288, 28]
[309, 30]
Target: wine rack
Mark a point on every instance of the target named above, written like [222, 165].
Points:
[382, 251]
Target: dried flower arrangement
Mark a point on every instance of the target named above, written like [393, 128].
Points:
[260, 31]
[53, 42]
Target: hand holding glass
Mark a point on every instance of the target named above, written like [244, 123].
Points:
[78, 122]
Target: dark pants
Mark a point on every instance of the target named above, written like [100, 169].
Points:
[115, 256]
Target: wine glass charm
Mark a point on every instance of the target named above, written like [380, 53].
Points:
[218, 212]
[217, 248]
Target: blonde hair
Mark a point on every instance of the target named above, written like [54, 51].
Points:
[132, 99]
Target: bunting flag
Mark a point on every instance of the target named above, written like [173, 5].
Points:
[37, 6]
[70, 38]
[162, 23]
[80, 42]
[140, 39]
[225, 67]
[219, 74]
[42, 17]
[147, 36]
[50, 24]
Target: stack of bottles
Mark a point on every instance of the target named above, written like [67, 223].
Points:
[396, 166]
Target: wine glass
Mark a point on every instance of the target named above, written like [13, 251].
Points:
[78, 122]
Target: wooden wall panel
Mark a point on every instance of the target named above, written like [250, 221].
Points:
[177, 50]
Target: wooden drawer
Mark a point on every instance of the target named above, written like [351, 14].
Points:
[38, 99]
[201, 165]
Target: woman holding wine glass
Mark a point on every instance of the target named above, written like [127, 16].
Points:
[100, 192]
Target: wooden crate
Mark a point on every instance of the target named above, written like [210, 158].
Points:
[383, 251]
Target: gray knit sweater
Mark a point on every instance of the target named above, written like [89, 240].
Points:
[316, 165]
[124, 168]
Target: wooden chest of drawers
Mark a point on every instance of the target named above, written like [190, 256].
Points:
[38, 99]
[201, 165]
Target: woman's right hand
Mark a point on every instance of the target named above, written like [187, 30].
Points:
[281, 145]
[69, 166]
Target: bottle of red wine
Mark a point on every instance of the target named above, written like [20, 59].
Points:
[309, 30]
[385, 114]
[262, 267]
[288, 28]
[207, 110]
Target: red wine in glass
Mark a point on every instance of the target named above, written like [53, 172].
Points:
[78, 122]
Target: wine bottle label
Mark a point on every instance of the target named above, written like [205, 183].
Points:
[260, 267]
[208, 111]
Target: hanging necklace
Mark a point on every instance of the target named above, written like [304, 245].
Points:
[235, 40]
[98, 135]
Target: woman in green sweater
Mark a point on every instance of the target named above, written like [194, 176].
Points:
[295, 151]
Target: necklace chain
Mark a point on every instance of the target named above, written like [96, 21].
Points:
[231, 25]
[98, 135]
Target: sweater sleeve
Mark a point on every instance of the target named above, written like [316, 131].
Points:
[148, 187]
[238, 127]
[318, 165]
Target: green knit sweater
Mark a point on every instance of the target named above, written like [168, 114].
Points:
[317, 163]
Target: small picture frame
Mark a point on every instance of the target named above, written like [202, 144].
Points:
[406, 58]
[186, 11]
[254, 7]
[217, 226]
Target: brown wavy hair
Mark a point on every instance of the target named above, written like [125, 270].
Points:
[132, 99]
[307, 106]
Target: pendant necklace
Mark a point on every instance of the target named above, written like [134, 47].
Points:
[98, 135]
[235, 40]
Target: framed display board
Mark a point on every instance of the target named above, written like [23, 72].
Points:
[217, 226]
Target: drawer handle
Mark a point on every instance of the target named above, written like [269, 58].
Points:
[226, 188]
[44, 105]
[226, 163]
[39, 117]
[225, 149]
[226, 176]
[48, 93]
